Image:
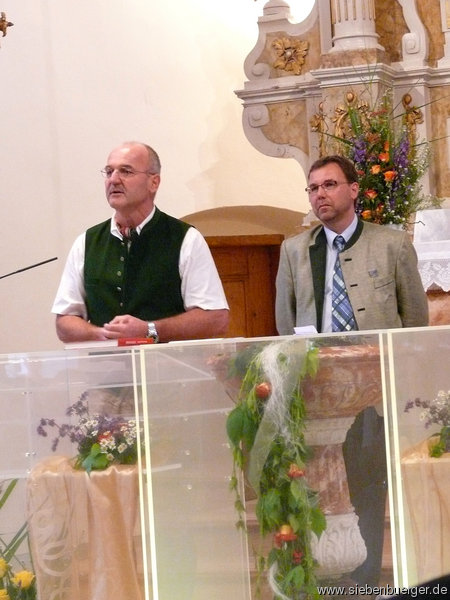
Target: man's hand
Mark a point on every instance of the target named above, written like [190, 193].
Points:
[191, 325]
[125, 326]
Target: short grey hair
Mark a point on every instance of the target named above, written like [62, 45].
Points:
[153, 158]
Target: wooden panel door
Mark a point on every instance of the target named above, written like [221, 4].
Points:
[247, 266]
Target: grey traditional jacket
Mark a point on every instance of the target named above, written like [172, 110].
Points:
[379, 265]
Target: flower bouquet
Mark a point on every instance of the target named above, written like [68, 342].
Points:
[436, 412]
[387, 155]
[266, 431]
[101, 440]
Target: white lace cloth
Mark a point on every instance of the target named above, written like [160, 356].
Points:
[432, 244]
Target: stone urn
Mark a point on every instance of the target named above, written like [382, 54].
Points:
[348, 380]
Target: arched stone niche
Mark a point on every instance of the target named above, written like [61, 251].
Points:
[246, 221]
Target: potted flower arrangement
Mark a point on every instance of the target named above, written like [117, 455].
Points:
[101, 439]
[389, 158]
[435, 412]
[15, 584]
[266, 431]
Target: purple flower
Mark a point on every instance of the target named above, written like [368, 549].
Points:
[401, 153]
[359, 150]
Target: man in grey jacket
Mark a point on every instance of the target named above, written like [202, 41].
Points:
[379, 268]
[379, 264]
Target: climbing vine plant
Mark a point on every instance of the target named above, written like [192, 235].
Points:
[266, 429]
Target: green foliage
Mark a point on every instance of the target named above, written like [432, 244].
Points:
[96, 460]
[269, 510]
[266, 431]
[443, 445]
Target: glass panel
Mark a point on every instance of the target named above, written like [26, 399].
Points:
[195, 551]
[189, 457]
[74, 522]
[85, 530]
[420, 484]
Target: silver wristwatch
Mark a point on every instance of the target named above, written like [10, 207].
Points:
[151, 332]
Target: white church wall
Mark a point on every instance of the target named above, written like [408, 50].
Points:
[77, 78]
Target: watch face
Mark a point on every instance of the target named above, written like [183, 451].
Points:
[151, 332]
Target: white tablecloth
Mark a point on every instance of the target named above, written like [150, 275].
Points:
[432, 244]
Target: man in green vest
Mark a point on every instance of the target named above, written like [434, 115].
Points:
[141, 273]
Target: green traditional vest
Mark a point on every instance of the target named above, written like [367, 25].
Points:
[142, 280]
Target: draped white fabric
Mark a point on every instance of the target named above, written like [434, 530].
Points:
[432, 244]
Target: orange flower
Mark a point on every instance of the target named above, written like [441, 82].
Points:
[295, 471]
[386, 146]
[384, 156]
[375, 169]
[366, 214]
[371, 194]
[285, 534]
[390, 175]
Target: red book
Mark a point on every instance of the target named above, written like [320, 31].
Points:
[134, 341]
[110, 343]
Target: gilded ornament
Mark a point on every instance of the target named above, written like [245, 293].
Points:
[318, 123]
[4, 23]
[412, 116]
[291, 54]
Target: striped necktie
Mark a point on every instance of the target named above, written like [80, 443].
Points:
[342, 318]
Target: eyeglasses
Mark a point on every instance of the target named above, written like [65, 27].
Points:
[328, 186]
[123, 172]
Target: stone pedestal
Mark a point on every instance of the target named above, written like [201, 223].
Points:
[348, 380]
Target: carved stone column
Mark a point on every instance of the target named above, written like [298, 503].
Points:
[354, 24]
